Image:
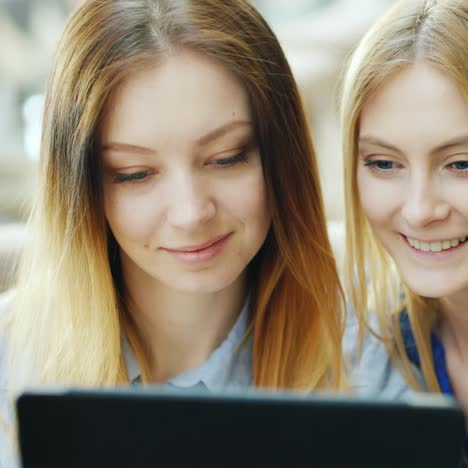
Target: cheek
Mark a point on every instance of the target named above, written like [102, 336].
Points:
[377, 197]
[247, 201]
[129, 217]
[455, 191]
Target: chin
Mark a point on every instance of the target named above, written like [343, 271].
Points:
[204, 284]
[431, 289]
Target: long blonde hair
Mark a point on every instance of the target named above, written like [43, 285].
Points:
[435, 32]
[69, 314]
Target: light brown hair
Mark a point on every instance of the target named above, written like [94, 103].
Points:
[69, 313]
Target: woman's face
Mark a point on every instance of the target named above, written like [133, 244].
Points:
[413, 177]
[184, 189]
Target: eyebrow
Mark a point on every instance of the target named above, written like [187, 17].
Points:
[221, 131]
[377, 141]
[202, 141]
[126, 147]
[459, 140]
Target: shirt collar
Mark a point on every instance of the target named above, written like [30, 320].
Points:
[217, 370]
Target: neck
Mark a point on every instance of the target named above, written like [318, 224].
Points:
[179, 330]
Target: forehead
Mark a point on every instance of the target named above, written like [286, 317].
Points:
[185, 95]
[419, 102]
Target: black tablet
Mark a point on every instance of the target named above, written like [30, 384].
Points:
[147, 427]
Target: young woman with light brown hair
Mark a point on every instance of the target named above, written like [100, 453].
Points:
[178, 235]
[75, 297]
[405, 136]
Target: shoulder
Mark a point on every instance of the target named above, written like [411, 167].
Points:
[6, 304]
[8, 459]
[371, 371]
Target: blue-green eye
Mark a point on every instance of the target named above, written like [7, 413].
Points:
[238, 158]
[133, 177]
[461, 166]
[381, 165]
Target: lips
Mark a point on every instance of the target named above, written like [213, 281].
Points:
[434, 246]
[198, 247]
[200, 254]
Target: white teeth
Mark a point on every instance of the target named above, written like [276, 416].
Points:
[446, 245]
[435, 246]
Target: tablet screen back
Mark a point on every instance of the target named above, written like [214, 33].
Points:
[147, 428]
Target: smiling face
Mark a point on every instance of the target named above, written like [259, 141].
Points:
[184, 189]
[413, 177]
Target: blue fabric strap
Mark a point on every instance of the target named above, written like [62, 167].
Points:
[438, 358]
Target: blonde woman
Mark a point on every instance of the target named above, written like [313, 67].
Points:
[405, 135]
[178, 235]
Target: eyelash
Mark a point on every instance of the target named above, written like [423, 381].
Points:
[373, 166]
[138, 177]
[461, 172]
[232, 160]
[133, 177]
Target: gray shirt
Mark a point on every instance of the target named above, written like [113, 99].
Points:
[372, 373]
[231, 365]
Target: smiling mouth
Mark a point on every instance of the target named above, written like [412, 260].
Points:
[201, 253]
[437, 246]
[199, 247]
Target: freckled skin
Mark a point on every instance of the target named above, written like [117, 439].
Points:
[186, 198]
[420, 195]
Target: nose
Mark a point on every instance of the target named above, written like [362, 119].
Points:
[192, 205]
[424, 203]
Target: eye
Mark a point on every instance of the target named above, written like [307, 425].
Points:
[230, 161]
[131, 177]
[460, 167]
[381, 165]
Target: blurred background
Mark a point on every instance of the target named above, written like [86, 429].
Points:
[317, 36]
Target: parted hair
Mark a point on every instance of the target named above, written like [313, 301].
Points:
[412, 31]
[69, 315]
